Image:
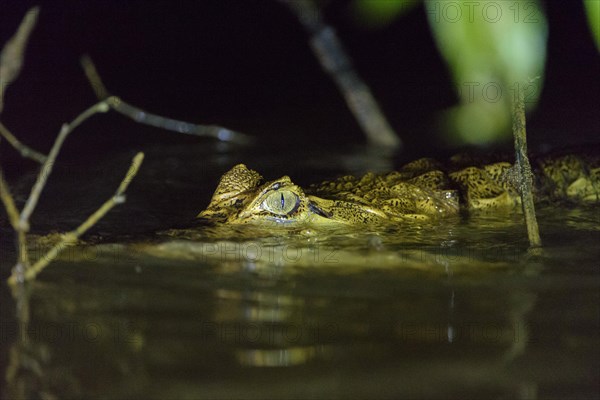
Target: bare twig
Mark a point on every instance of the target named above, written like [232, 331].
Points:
[20, 222]
[89, 68]
[12, 55]
[46, 169]
[71, 237]
[25, 151]
[11, 60]
[144, 117]
[11, 63]
[13, 217]
[525, 175]
[328, 49]
[9, 203]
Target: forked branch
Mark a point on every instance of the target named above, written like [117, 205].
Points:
[11, 61]
[71, 237]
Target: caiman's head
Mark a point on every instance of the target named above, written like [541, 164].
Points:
[242, 197]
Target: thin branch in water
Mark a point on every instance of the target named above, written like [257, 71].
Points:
[71, 237]
[8, 201]
[146, 118]
[46, 169]
[25, 151]
[11, 61]
[525, 175]
[328, 49]
[13, 217]
[12, 55]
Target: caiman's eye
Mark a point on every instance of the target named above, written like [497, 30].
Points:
[281, 202]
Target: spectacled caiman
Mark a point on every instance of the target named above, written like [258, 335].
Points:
[420, 190]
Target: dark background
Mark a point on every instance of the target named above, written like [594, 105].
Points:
[246, 65]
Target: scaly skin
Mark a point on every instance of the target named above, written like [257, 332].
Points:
[420, 190]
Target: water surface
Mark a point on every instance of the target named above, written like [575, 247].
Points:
[155, 309]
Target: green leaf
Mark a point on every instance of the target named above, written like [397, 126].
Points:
[592, 9]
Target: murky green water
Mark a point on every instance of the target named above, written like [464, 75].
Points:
[455, 309]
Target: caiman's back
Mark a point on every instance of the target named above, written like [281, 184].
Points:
[420, 190]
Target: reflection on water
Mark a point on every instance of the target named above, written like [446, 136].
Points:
[454, 309]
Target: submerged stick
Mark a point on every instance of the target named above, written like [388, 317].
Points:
[328, 49]
[12, 55]
[71, 237]
[144, 117]
[525, 175]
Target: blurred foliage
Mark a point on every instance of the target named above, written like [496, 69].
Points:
[492, 49]
[592, 8]
[379, 13]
